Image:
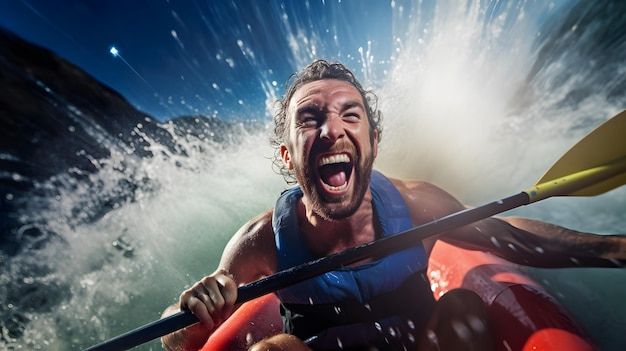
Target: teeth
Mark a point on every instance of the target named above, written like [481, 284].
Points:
[337, 188]
[335, 159]
[341, 158]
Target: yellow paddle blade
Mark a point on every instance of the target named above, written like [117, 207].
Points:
[595, 165]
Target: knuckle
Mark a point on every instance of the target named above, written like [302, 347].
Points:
[185, 297]
[206, 280]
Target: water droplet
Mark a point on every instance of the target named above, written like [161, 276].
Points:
[432, 337]
[410, 323]
[506, 344]
[461, 330]
[476, 324]
[617, 263]
[495, 242]
[339, 343]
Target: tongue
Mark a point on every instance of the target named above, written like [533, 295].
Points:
[333, 175]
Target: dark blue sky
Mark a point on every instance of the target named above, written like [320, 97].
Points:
[207, 57]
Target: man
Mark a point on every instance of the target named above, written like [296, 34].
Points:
[327, 133]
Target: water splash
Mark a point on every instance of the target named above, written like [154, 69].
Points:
[466, 88]
[103, 259]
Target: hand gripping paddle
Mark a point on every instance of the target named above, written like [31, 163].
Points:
[595, 165]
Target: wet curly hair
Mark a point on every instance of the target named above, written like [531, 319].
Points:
[318, 70]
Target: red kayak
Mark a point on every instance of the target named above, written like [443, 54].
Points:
[523, 316]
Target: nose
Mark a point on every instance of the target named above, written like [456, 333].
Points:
[332, 129]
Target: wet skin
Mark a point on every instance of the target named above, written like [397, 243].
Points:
[329, 145]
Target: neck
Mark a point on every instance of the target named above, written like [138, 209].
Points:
[325, 237]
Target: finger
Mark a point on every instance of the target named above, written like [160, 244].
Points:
[200, 310]
[198, 302]
[228, 290]
[213, 294]
[202, 295]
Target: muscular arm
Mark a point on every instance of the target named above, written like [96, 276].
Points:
[251, 253]
[520, 240]
[248, 256]
[581, 248]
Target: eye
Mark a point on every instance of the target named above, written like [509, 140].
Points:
[309, 120]
[352, 116]
[353, 111]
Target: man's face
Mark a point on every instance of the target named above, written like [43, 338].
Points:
[329, 146]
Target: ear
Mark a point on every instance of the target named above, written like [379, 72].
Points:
[284, 154]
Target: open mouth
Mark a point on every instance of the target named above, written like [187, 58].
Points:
[335, 171]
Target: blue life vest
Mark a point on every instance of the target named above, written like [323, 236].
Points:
[382, 303]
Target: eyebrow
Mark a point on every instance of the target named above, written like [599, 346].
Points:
[353, 103]
[315, 107]
[309, 107]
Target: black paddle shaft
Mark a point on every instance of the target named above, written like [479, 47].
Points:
[297, 274]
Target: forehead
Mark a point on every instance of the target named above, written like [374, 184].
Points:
[325, 89]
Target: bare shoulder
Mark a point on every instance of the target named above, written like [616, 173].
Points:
[251, 253]
[425, 200]
[410, 186]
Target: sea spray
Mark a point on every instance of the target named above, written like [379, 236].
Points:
[478, 97]
[120, 271]
[483, 100]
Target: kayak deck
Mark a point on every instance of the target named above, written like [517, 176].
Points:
[522, 315]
